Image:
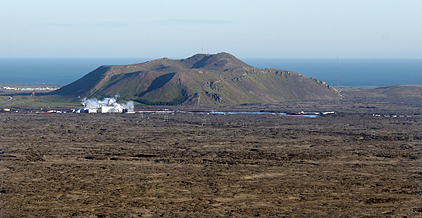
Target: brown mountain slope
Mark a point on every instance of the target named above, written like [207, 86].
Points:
[202, 79]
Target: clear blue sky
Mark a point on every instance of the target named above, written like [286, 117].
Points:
[244, 28]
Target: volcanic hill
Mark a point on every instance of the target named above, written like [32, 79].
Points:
[203, 79]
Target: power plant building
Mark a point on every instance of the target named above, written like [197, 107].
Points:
[109, 109]
[92, 111]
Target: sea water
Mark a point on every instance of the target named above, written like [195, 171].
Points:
[54, 70]
[350, 71]
[343, 72]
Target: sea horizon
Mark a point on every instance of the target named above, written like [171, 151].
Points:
[333, 71]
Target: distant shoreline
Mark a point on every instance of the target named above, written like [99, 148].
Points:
[365, 88]
[345, 72]
[342, 88]
[27, 88]
[44, 87]
[30, 85]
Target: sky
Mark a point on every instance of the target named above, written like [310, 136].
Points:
[179, 29]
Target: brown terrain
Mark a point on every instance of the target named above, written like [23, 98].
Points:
[348, 164]
[387, 92]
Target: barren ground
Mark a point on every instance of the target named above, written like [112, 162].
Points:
[350, 164]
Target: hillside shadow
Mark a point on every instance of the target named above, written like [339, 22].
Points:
[201, 63]
[84, 84]
[158, 83]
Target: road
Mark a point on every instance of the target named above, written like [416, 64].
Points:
[10, 98]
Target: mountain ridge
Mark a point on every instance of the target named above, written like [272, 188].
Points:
[202, 79]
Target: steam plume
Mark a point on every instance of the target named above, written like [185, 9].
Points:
[94, 103]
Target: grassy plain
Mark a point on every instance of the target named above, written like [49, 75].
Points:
[27, 101]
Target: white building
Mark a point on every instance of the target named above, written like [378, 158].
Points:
[109, 109]
[92, 111]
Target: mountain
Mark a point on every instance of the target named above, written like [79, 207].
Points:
[203, 79]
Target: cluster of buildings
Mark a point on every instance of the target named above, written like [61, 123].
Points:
[104, 109]
[391, 115]
[30, 89]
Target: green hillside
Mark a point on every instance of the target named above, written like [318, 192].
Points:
[202, 79]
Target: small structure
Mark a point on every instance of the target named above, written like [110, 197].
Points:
[109, 109]
[78, 110]
[128, 111]
[92, 111]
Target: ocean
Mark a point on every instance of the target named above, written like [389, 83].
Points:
[343, 72]
[54, 70]
[350, 71]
